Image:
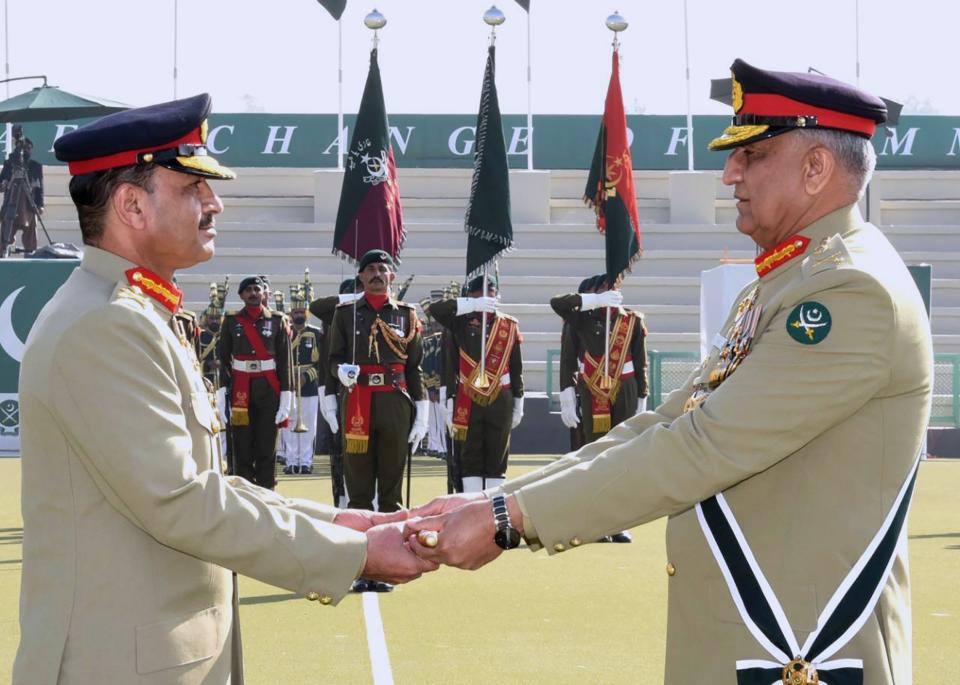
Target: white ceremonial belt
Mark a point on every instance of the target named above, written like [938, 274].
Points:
[626, 371]
[254, 365]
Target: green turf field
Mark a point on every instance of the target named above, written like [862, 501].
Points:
[593, 616]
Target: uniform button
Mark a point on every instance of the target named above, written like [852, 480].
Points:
[313, 596]
[558, 547]
[576, 542]
[326, 599]
[671, 569]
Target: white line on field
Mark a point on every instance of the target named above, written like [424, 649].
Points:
[376, 641]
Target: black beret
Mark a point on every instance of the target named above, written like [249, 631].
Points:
[586, 284]
[599, 281]
[768, 103]
[350, 285]
[477, 283]
[248, 281]
[171, 134]
[376, 257]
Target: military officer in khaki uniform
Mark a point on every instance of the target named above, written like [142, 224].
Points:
[255, 349]
[483, 413]
[375, 359]
[130, 526]
[786, 461]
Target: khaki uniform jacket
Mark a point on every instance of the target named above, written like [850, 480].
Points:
[809, 443]
[129, 524]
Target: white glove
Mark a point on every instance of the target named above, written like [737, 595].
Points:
[286, 402]
[610, 298]
[517, 412]
[350, 297]
[222, 406]
[468, 305]
[419, 429]
[448, 415]
[568, 407]
[328, 407]
[347, 373]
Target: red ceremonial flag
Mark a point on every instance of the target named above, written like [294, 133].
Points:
[610, 190]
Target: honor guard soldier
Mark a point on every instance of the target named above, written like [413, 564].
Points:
[130, 528]
[489, 401]
[375, 355]
[605, 401]
[255, 358]
[324, 308]
[570, 360]
[786, 462]
[307, 341]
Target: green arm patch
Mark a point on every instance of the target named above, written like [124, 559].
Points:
[809, 323]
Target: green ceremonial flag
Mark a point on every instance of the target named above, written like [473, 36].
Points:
[488, 225]
[369, 216]
[334, 7]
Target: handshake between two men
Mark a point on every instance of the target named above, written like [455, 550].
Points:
[456, 530]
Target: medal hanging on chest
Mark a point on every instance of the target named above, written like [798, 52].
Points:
[739, 339]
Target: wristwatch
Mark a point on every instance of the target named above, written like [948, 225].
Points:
[506, 537]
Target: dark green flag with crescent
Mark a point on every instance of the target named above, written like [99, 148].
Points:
[369, 216]
[488, 225]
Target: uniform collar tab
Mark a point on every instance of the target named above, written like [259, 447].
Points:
[156, 287]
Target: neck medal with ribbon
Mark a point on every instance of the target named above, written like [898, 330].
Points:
[604, 394]
[503, 335]
[844, 615]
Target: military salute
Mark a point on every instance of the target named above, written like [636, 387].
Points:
[605, 401]
[787, 460]
[488, 403]
[375, 355]
[255, 354]
[298, 445]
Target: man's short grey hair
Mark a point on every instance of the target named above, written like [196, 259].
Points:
[855, 154]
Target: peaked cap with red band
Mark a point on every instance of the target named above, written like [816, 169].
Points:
[768, 103]
[171, 134]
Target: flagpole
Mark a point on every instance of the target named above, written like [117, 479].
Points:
[529, 101]
[856, 5]
[686, 54]
[6, 48]
[492, 18]
[176, 28]
[615, 23]
[340, 94]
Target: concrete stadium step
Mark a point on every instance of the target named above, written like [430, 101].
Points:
[263, 209]
[659, 317]
[924, 238]
[919, 212]
[440, 262]
[515, 289]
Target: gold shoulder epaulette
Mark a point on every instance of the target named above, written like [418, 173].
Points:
[128, 292]
[232, 312]
[831, 253]
[507, 316]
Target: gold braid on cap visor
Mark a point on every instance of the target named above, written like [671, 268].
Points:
[733, 135]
